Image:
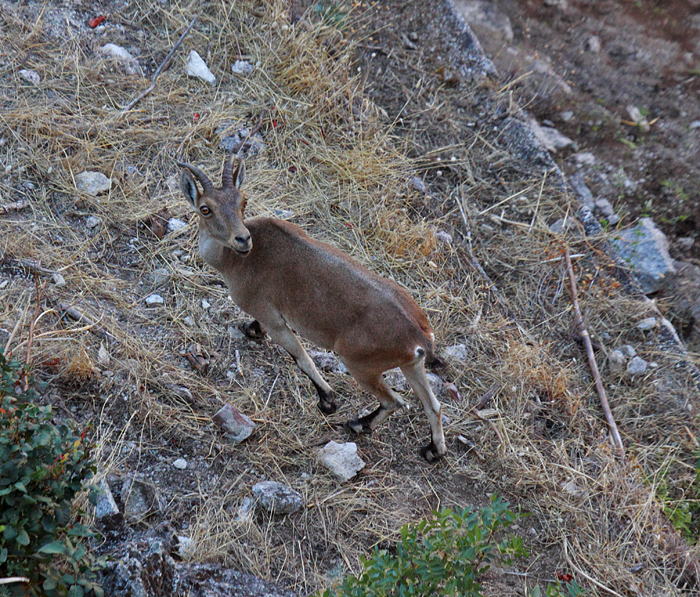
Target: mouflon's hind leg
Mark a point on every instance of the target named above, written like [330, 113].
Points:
[283, 336]
[415, 374]
[389, 401]
[253, 330]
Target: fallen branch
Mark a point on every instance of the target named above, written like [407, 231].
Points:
[160, 69]
[80, 317]
[14, 206]
[591, 358]
[13, 579]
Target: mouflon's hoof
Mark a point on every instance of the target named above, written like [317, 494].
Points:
[327, 407]
[253, 330]
[356, 426]
[430, 453]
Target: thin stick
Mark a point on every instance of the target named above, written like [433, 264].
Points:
[160, 69]
[591, 358]
[14, 206]
[76, 315]
[13, 579]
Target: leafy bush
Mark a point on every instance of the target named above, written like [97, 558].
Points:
[42, 469]
[443, 556]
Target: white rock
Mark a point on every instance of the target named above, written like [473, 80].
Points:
[276, 498]
[639, 119]
[155, 299]
[175, 224]
[185, 546]
[31, 76]
[180, 464]
[205, 304]
[685, 242]
[567, 115]
[628, 351]
[188, 321]
[93, 222]
[242, 67]
[106, 505]
[238, 426]
[418, 184]
[283, 214]
[456, 352]
[327, 361]
[245, 510]
[637, 366]
[123, 56]
[196, 67]
[585, 158]
[92, 183]
[617, 361]
[647, 324]
[435, 383]
[695, 124]
[444, 237]
[103, 355]
[58, 280]
[593, 44]
[645, 248]
[341, 459]
[550, 137]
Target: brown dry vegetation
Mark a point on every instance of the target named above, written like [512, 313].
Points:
[342, 164]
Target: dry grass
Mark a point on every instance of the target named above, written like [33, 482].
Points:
[333, 159]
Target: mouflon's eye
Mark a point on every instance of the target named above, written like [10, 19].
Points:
[205, 210]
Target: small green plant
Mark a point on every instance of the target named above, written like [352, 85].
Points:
[43, 467]
[443, 556]
[565, 588]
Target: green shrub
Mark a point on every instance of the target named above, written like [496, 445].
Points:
[43, 467]
[443, 556]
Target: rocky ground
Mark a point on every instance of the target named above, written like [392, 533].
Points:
[386, 133]
[621, 82]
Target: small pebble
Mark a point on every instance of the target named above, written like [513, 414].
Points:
[175, 224]
[92, 222]
[58, 280]
[205, 304]
[180, 463]
[647, 324]
[155, 299]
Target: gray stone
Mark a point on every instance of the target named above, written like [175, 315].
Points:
[585, 158]
[435, 383]
[106, 506]
[276, 498]
[397, 380]
[593, 44]
[685, 242]
[562, 225]
[418, 185]
[550, 137]
[628, 351]
[154, 299]
[123, 56]
[238, 427]
[234, 333]
[242, 67]
[175, 224]
[92, 183]
[180, 464]
[645, 249]
[582, 191]
[246, 509]
[327, 361]
[647, 324]
[93, 222]
[617, 361]
[31, 76]
[159, 277]
[185, 546]
[567, 115]
[239, 141]
[140, 499]
[341, 459]
[444, 237]
[205, 304]
[58, 280]
[636, 366]
[196, 67]
[283, 214]
[485, 19]
[457, 353]
[695, 125]
[638, 118]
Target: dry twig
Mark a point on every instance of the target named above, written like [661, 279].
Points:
[160, 69]
[591, 358]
